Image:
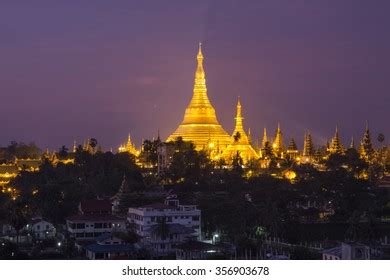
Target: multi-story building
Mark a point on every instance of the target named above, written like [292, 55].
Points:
[164, 226]
[94, 219]
[170, 212]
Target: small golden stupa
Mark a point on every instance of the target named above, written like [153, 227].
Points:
[240, 142]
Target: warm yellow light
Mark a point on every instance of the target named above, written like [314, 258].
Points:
[291, 175]
[200, 124]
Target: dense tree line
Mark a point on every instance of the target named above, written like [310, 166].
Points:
[19, 150]
[55, 191]
[242, 204]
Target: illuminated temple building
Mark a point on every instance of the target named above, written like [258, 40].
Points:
[201, 127]
[200, 124]
[128, 147]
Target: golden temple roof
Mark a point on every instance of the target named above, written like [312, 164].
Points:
[200, 124]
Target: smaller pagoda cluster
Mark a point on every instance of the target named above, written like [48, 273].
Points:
[310, 153]
[274, 148]
[128, 147]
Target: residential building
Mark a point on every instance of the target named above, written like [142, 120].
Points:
[94, 218]
[41, 229]
[170, 212]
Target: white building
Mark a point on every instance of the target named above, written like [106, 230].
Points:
[171, 212]
[41, 229]
[348, 251]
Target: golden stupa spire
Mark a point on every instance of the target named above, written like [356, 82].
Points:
[250, 135]
[129, 144]
[240, 142]
[352, 145]
[336, 145]
[265, 138]
[239, 134]
[200, 124]
[278, 142]
[200, 100]
[199, 74]
[239, 127]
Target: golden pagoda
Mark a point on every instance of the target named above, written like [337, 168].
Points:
[336, 146]
[200, 124]
[277, 145]
[240, 142]
[265, 138]
[128, 147]
[308, 149]
[366, 149]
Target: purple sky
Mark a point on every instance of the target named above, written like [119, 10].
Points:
[77, 69]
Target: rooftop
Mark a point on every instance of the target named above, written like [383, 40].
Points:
[115, 248]
[158, 206]
[94, 218]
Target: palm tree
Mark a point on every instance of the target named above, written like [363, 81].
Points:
[382, 149]
[162, 229]
[237, 136]
[18, 215]
[381, 138]
[63, 152]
